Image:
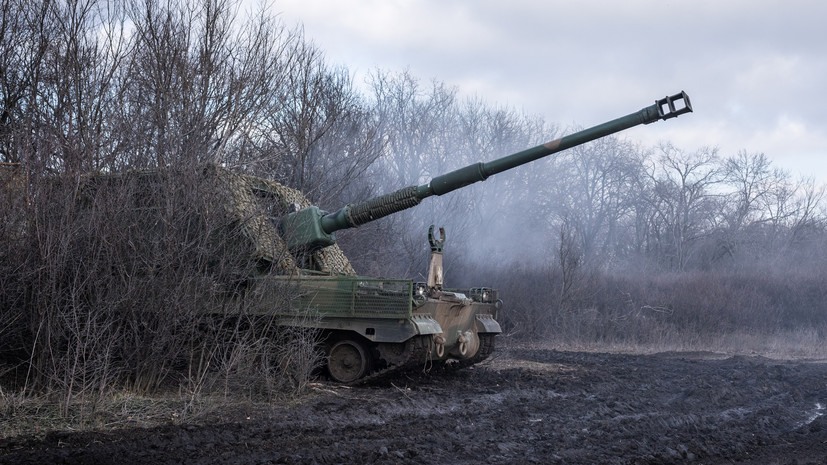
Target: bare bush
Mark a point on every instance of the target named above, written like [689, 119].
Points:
[114, 277]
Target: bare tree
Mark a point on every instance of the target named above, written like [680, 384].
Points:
[752, 177]
[318, 129]
[596, 190]
[25, 35]
[686, 204]
[197, 85]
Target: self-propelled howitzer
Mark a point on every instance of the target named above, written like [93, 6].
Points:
[311, 228]
[371, 327]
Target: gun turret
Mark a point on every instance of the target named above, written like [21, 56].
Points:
[311, 228]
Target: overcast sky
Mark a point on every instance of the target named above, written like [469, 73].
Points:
[755, 70]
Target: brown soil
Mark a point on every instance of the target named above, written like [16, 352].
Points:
[524, 406]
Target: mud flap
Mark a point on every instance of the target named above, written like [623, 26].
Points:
[487, 324]
[426, 325]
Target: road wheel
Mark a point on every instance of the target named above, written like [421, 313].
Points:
[348, 361]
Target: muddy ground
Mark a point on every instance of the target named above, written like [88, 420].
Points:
[524, 406]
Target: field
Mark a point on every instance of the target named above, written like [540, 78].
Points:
[525, 405]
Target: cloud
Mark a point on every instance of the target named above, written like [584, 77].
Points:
[754, 70]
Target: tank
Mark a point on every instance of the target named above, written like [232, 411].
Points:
[372, 327]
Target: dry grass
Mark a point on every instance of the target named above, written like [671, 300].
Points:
[805, 343]
[35, 416]
[38, 415]
[801, 344]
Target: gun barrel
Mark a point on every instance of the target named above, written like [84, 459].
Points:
[312, 228]
[662, 109]
[355, 215]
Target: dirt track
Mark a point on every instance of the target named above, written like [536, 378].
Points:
[525, 406]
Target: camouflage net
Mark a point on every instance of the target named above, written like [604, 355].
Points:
[251, 203]
[256, 203]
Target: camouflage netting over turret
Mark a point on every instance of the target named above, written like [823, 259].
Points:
[258, 203]
[231, 202]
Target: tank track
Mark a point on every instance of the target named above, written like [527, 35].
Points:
[485, 350]
[417, 359]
